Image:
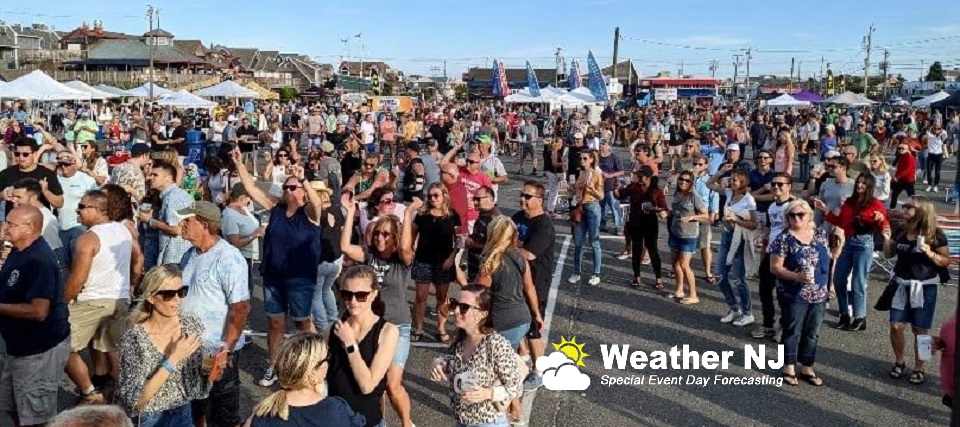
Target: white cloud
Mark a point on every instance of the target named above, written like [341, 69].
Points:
[566, 377]
[554, 360]
[710, 40]
[946, 29]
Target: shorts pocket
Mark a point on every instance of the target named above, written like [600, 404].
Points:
[41, 397]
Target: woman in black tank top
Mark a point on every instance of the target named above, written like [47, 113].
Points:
[361, 345]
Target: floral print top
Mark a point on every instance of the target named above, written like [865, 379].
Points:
[797, 257]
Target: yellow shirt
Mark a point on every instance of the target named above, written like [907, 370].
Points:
[592, 183]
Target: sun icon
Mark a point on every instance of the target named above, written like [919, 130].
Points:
[572, 349]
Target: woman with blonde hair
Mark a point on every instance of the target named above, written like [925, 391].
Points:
[91, 163]
[878, 167]
[301, 367]
[160, 366]
[784, 153]
[922, 254]
[514, 298]
[170, 156]
[435, 256]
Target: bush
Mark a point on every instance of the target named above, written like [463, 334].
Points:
[288, 93]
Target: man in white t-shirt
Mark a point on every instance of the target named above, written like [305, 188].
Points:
[369, 130]
[491, 165]
[74, 185]
[936, 139]
[29, 191]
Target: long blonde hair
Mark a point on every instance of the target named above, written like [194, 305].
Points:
[444, 204]
[881, 164]
[297, 358]
[924, 220]
[503, 235]
[152, 281]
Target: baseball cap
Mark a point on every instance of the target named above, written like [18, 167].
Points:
[733, 147]
[578, 135]
[140, 149]
[831, 154]
[66, 157]
[327, 147]
[484, 139]
[202, 209]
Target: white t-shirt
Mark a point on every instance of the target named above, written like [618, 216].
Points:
[777, 218]
[51, 229]
[74, 188]
[217, 278]
[368, 131]
[935, 141]
[742, 207]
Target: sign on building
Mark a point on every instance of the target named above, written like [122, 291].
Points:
[665, 94]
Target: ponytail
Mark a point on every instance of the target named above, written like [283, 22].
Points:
[275, 405]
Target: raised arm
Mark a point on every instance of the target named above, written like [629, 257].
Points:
[406, 236]
[354, 252]
[258, 196]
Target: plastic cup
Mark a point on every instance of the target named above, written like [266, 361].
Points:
[210, 351]
[924, 347]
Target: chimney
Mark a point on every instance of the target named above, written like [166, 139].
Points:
[85, 26]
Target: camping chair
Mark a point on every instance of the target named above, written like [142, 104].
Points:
[950, 224]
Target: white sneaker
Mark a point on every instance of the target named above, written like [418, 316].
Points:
[925, 181]
[269, 378]
[744, 320]
[594, 280]
[929, 188]
[935, 189]
[730, 317]
[573, 280]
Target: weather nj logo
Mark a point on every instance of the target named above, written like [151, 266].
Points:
[561, 368]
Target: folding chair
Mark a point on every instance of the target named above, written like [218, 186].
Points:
[950, 224]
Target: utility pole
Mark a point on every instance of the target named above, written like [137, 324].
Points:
[616, 50]
[713, 68]
[151, 13]
[736, 71]
[820, 80]
[921, 70]
[680, 73]
[868, 41]
[749, 57]
[885, 66]
[799, 79]
[792, 65]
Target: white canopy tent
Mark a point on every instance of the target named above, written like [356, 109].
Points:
[927, 100]
[110, 89]
[184, 99]
[849, 98]
[228, 89]
[37, 86]
[94, 93]
[786, 100]
[144, 91]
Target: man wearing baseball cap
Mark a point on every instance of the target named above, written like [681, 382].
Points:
[74, 185]
[216, 273]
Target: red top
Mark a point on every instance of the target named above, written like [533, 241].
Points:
[459, 203]
[850, 211]
[906, 169]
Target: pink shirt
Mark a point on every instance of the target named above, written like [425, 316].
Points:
[473, 181]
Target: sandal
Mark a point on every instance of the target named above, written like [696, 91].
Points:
[659, 285]
[812, 379]
[917, 378]
[790, 379]
[690, 301]
[636, 283]
[676, 296]
[416, 336]
[624, 255]
[897, 371]
[444, 338]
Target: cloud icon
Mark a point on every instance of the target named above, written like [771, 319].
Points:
[560, 373]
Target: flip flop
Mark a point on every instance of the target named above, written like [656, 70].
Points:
[812, 379]
[444, 338]
[659, 285]
[416, 336]
[690, 301]
[790, 379]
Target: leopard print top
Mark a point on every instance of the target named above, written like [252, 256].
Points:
[493, 363]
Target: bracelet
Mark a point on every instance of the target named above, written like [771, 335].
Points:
[165, 363]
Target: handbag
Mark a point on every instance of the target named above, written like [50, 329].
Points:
[885, 301]
[576, 214]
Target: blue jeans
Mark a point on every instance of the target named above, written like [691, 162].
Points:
[854, 261]
[324, 302]
[222, 407]
[150, 242]
[69, 239]
[176, 417]
[610, 202]
[591, 225]
[501, 421]
[801, 331]
[733, 277]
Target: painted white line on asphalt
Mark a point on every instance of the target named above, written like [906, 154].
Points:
[429, 344]
[548, 317]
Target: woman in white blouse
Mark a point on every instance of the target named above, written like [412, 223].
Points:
[879, 169]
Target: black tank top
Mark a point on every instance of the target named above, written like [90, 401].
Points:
[341, 382]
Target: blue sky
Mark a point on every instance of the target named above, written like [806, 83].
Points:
[416, 36]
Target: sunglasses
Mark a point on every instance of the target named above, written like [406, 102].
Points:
[21, 154]
[168, 294]
[386, 202]
[281, 156]
[385, 234]
[797, 215]
[463, 307]
[686, 180]
[82, 206]
[472, 161]
[361, 296]
[291, 187]
[779, 184]
[435, 195]
[369, 165]
[65, 165]
[528, 196]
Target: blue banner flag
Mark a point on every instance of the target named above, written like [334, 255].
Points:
[495, 79]
[595, 79]
[532, 82]
[573, 80]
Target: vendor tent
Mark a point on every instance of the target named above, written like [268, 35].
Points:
[184, 99]
[952, 101]
[807, 95]
[849, 98]
[144, 91]
[263, 93]
[37, 86]
[110, 89]
[786, 100]
[94, 92]
[228, 89]
[926, 101]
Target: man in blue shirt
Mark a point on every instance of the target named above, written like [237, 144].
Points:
[33, 322]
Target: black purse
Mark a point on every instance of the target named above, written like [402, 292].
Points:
[885, 301]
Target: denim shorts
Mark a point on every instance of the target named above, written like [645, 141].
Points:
[920, 318]
[516, 334]
[403, 346]
[372, 148]
[684, 245]
[290, 296]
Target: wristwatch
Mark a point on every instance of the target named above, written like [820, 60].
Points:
[352, 348]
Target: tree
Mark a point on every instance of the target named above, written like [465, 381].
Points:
[935, 74]
[287, 93]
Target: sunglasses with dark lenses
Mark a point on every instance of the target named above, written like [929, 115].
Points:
[21, 154]
[370, 165]
[464, 308]
[361, 296]
[472, 161]
[779, 184]
[528, 196]
[291, 187]
[168, 294]
[797, 215]
[686, 180]
[281, 156]
[81, 206]
[385, 234]
[385, 202]
[435, 195]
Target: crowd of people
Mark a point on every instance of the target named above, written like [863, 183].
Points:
[119, 250]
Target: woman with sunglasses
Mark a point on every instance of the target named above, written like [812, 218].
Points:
[390, 253]
[382, 202]
[303, 362]
[647, 206]
[737, 256]
[433, 262]
[91, 163]
[160, 366]
[277, 172]
[686, 212]
[800, 260]
[480, 366]
[588, 193]
[861, 217]
[922, 255]
[878, 167]
[368, 179]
